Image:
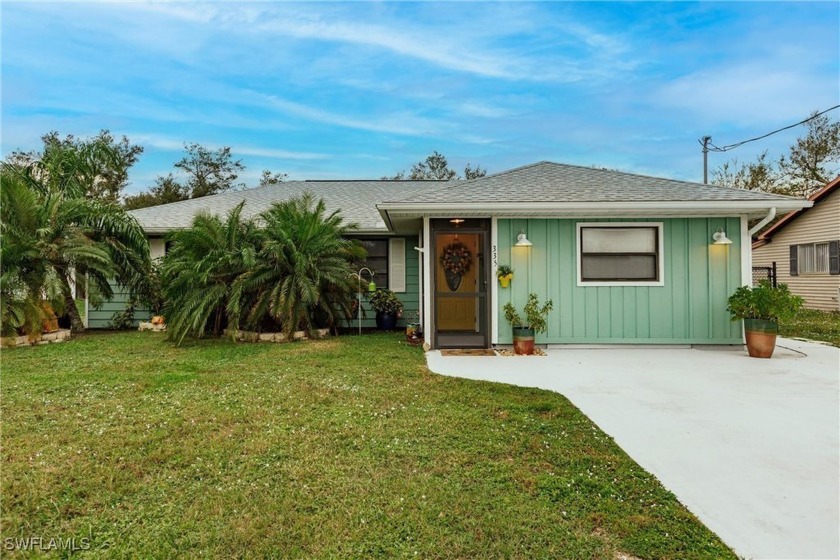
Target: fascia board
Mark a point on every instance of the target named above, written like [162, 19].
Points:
[593, 208]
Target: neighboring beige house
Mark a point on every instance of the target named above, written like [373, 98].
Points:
[804, 247]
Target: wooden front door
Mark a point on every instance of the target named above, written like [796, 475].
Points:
[459, 277]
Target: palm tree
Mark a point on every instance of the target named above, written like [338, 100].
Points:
[50, 231]
[200, 269]
[303, 274]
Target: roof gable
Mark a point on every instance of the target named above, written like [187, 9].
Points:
[815, 198]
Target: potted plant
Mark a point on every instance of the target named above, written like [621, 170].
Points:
[388, 308]
[536, 321]
[505, 274]
[762, 308]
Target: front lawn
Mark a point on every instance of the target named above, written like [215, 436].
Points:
[346, 447]
[814, 325]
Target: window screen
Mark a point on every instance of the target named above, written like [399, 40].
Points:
[377, 260]
[813, 258]
[619, 254]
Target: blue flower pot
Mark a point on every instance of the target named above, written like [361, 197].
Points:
[386, 321]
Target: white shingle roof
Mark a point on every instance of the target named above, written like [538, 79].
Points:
[356, 200]
[553, 182]
[542, 182]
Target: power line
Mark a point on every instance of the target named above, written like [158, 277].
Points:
[714, 148]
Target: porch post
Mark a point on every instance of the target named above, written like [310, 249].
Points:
[494, 301]
[427, 282]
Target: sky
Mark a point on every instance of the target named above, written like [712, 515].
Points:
[365, 89]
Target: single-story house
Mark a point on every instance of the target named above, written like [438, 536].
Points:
[803, 248]
[626, 258]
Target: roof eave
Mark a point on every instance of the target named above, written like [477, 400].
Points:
[563, 209]
[162, 231]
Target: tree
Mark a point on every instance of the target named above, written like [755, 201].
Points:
[470, 173]
[812, 161]
[303, 277]
[51, 230]
[199, 271]
[436, 168]
[166, 189]
[209, 172]
[268, 178]
[760, 175]
[108, 162]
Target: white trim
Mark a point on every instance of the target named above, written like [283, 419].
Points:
[731, 207]
[427, 283]
[660, 242]
[420, 282]
[87, 302]
[494, 290]
[746, 253]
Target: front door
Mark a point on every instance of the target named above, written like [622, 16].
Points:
[460, 283]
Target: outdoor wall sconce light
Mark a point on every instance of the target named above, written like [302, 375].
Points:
[720, 238]
[522, 240]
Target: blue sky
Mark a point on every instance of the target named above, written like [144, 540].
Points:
[360, 90]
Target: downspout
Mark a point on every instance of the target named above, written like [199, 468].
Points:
[767, 219]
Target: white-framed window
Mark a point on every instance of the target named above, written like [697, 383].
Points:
[813, 258]
[386, 258]
[620, 254]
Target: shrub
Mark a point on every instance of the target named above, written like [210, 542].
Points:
[536, 317]
[384, 301]
[764, 302]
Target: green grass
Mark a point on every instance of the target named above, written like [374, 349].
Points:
[814, 325]
[341, 448]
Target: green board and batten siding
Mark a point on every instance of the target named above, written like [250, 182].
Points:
[689, 309]
[101, 318]
[410, 297]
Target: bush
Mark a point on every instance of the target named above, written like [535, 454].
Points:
[384, 301]
[764, 302]
[536, 316]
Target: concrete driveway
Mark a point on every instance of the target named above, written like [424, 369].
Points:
[750, 446]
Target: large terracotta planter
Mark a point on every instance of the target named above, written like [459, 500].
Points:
[523, 341]
[761, 337]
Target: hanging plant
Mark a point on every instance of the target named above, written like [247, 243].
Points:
[456, 258]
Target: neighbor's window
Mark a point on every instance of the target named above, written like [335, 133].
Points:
[813, 258]
[377, 260]
[617, 254]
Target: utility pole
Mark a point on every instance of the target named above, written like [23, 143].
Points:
[705, 141]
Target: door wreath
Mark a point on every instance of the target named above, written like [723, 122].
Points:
[456, 260]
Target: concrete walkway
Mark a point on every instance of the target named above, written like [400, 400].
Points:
[750, 446]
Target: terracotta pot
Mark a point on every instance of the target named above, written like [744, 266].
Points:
[523, 341]
[761, 337]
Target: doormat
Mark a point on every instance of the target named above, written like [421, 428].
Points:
[469, 352]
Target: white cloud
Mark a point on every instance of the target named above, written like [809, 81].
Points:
[750, 92]
[174, 145]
